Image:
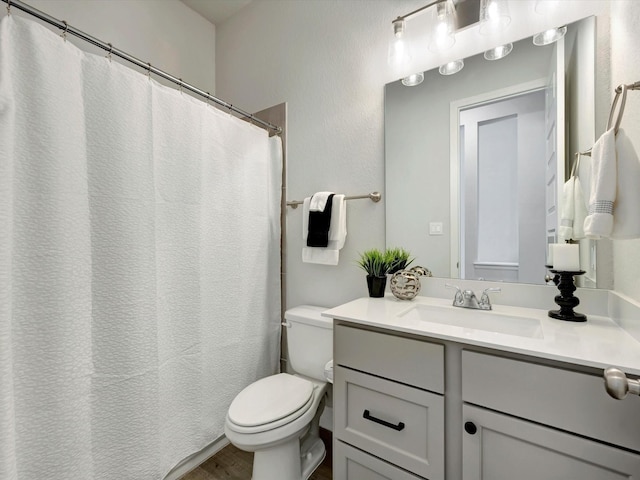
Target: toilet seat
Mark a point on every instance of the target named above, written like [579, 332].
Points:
[269, 403]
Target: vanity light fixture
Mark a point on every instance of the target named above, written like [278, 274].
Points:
[451, 67]
[549, 36]
[494, 16]
[442, 30]
[498, 52]
[413, 79]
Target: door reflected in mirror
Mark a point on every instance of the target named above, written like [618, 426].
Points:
[483, 154]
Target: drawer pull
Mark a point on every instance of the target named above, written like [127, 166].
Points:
[367, 415]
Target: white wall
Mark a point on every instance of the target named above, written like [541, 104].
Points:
[625, 68]
[165, 33]
[327, 60]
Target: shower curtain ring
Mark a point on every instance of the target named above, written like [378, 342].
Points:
[8, 8]
[181, 83]
[149, 70]
[109, 52]
[208, 99]
[66, 27]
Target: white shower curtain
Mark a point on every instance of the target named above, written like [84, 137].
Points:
[139, 264]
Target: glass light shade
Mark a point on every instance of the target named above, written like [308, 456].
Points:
[399, 54]
[546, 7]
[444, 26]
[494, 16]
[413, 79]
[498, 52]
[451, 67]
[549, 36]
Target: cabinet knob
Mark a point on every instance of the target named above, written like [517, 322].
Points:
[470, 428]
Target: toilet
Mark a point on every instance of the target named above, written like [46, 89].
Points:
[278, 417]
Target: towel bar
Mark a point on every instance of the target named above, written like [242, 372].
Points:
[373, 196]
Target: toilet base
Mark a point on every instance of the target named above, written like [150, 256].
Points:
[287, 462]
[312, 458]
[281, 462]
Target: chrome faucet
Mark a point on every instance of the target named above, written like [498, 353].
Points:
[468, 299]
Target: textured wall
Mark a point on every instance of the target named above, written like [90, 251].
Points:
[166, 33]
[327, 60]
[625, 68]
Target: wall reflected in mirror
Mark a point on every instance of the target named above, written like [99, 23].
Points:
[475, 162]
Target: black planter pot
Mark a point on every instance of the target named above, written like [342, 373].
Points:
[376, 285]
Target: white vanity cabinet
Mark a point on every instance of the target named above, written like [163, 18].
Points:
[388, 406]
[530, 421]
[507, 416]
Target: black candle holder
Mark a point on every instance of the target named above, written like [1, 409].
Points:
[566, 300]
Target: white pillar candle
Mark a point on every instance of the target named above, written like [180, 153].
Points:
[566, 257]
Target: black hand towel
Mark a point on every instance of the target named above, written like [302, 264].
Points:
[319, 223]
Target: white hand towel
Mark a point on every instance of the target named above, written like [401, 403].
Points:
[599, 222]
[573, 211]
[626, 219]
[319, 201]
[328, 255]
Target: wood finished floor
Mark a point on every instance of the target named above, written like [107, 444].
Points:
[231, 463]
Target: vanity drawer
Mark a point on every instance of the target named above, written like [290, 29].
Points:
[400, 424]
[404, 360]
[352, 464]
[564, 399]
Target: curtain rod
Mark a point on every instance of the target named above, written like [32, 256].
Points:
[62, 25]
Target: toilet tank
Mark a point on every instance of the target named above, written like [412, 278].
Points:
[309, 340]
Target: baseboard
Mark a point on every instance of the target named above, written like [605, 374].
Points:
[198, 458]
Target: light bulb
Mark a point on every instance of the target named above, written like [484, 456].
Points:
[494, 16]
[451, 67]
[443, 30]
[413, 79]
[498, 52]
[546, 7]
[549, 36]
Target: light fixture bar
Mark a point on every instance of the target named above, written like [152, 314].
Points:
[411, 14]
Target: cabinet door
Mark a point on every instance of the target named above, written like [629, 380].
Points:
[352, 464]
[506, 448]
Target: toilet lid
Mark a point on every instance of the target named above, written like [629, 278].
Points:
[270, 399]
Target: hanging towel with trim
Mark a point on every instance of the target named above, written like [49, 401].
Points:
[626, 209]
[328, 255]
[599, 221]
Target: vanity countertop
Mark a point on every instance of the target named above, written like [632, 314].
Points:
[599, 342]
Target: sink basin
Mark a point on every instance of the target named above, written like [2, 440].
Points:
[488, 321]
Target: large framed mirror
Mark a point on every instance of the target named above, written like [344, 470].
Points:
[475, 162]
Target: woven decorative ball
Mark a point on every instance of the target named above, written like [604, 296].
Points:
[421, 271]
[405, 284]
